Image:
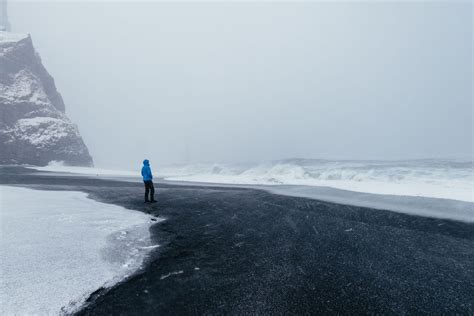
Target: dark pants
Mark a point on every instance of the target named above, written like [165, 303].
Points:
[149, 189]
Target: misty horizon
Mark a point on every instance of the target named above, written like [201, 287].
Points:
[246, 82]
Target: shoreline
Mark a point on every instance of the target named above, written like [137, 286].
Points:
[435, 178]
[427, 206]
[239, 250]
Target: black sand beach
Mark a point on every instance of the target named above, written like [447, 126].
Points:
[245, 251]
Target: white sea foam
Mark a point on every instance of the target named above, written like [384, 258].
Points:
[59, 166]
[446, 179]
[414, 205]
[57, 247]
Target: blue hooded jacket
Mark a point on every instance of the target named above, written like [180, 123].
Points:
[146, 171]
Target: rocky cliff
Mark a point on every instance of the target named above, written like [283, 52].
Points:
[34, 128]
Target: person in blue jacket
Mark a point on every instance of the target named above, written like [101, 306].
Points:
[148, 180]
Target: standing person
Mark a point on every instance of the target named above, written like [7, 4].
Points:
[148, 180]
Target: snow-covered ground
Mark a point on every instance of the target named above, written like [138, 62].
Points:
[57, 247]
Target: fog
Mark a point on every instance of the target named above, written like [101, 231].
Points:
[230, 82]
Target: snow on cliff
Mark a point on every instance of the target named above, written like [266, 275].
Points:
[34, 128]
[7, 37]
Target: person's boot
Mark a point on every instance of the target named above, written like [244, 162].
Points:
[152, 196]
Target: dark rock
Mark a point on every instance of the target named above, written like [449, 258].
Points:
[34, 128]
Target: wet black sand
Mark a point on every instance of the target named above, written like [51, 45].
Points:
[244, 251]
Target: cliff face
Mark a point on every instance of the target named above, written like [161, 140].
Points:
[34, 128]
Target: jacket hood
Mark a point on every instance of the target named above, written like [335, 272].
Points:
[146, 162]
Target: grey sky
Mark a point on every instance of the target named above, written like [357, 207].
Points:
[259, 81]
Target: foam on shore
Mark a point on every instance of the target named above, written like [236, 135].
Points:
[421, 206]
[60, 167]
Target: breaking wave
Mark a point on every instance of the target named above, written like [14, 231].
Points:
[448, 179]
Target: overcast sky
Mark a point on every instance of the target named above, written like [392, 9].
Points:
[236, 82]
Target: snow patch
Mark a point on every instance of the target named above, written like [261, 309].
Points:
[57, 247]
[25, 87]
[8, 37]
[44, 131]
